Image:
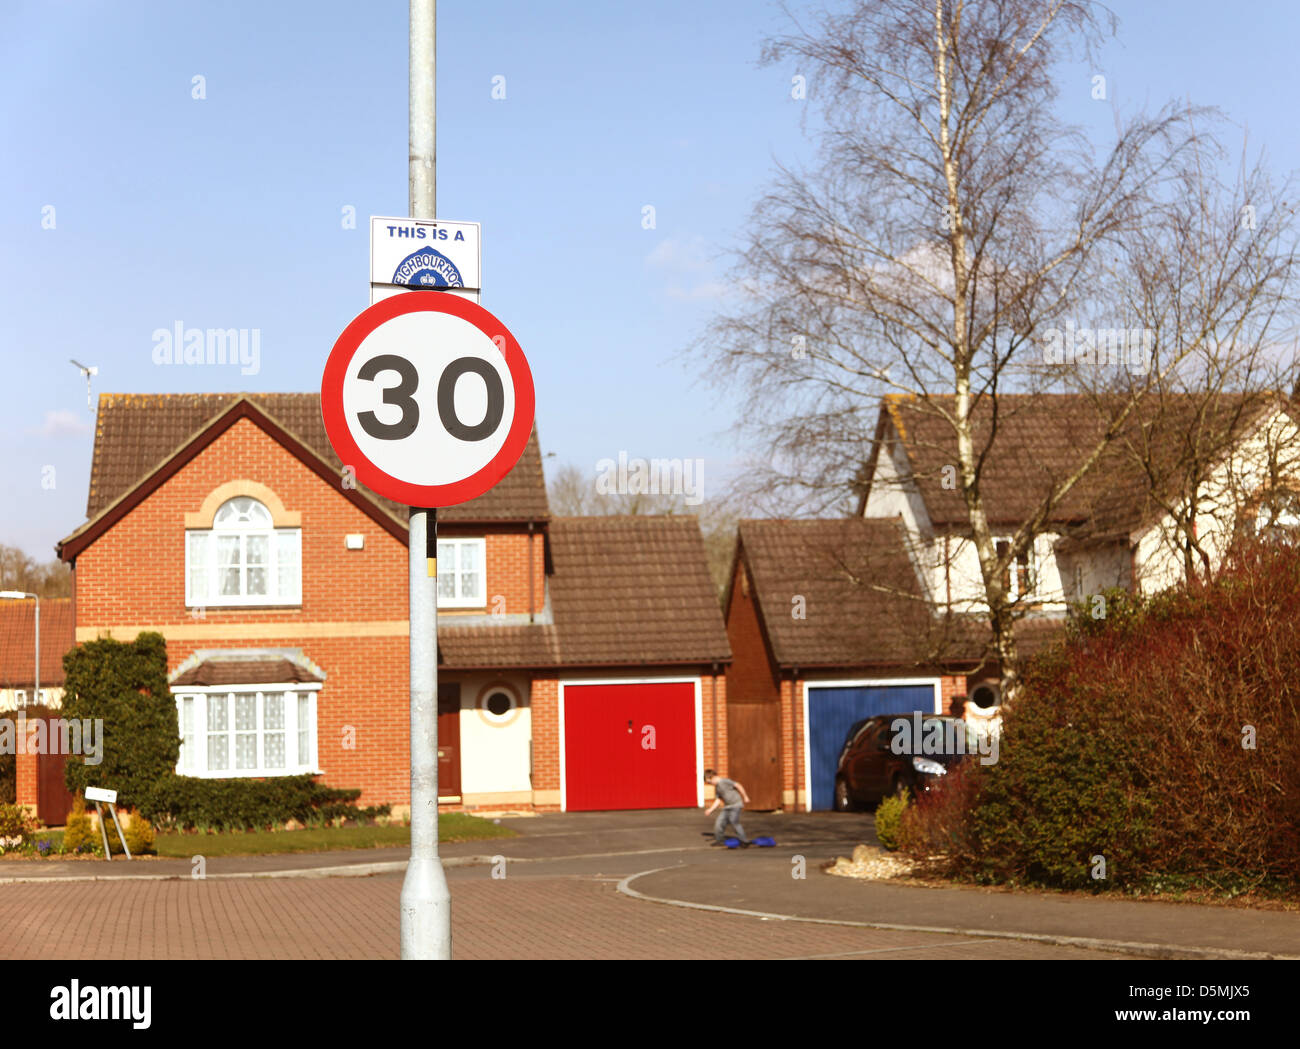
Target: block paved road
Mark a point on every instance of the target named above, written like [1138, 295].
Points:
[526, 915]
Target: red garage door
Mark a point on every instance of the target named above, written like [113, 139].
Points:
[629, 746]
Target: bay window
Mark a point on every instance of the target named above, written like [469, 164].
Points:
[249, 730]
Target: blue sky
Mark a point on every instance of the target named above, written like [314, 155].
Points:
[227, 211]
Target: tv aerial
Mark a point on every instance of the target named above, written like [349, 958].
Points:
[87, 372]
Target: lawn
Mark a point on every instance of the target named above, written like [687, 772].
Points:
[452, 826]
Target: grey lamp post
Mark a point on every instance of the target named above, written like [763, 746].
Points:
[19, 595]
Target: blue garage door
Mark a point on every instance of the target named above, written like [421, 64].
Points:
[832, 711]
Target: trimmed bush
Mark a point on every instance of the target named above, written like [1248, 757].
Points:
[125, 684]
[139, 836]
[187, 802]
[889, 819]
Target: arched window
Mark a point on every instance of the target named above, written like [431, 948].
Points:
[242, 559]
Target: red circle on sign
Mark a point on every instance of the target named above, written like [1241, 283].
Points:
[340, 435]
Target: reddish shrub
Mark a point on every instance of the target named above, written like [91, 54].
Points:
[1164, 738]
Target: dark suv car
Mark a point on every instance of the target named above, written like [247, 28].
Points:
[869, 770]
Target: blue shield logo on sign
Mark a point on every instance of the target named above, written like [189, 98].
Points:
[428, 268]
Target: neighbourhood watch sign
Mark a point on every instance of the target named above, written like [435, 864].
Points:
[416, 255]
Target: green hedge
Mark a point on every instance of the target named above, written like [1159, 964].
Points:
[185, 802]
[125, 684]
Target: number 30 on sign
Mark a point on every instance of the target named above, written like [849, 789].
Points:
[428, 397]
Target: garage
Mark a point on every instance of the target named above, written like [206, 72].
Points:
[631, 745]
[831, 709]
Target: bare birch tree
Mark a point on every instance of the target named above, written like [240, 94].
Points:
[950, 225]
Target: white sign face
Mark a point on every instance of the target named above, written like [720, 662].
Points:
[423, 254]
[100, 794]
[428, 398]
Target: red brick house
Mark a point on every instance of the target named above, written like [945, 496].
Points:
[581, 660]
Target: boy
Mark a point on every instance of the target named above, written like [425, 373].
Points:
[730, 796]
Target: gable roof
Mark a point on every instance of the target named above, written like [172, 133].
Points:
[18, 641]
[626, 591]
[861, 604]
[1040, 437]
[141, 439]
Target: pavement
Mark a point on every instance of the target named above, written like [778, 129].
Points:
[597, 885]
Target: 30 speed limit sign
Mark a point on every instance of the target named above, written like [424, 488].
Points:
[428, 397]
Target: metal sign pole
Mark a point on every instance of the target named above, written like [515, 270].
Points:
[425, 900]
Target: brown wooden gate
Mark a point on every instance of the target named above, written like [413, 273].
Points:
[754, 750]
[53, 799]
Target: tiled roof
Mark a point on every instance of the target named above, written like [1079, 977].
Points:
[625, 591]
[634, 590]
[842, 593]
[244, 672]
[18, 641]
[135, 433]
[526, 645]
[1041, 438]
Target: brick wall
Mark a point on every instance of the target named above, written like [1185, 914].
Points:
[25, 792]
[713, 697]
[545, 700]
[510, 556]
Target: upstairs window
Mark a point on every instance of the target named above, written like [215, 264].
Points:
[242, 559]
[462, 581]
[1018, 576]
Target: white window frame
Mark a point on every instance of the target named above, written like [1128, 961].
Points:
[273, 535]
[461, 600]
[20, 697]
[291, 692]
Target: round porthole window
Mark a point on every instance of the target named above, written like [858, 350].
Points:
[499, 705]
[986, 695]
